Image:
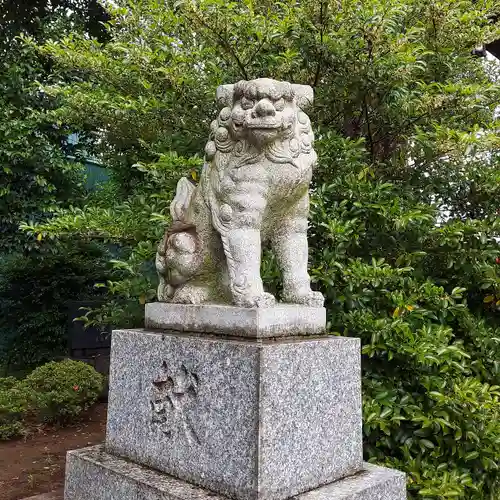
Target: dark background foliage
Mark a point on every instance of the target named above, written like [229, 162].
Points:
[34, 297]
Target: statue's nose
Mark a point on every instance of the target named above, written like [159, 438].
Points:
[264, 108]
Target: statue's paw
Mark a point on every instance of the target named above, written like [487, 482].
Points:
[315, 299]
[311, 299]
[186, 298]
[191, 295]
[165, 291]
[263, 300]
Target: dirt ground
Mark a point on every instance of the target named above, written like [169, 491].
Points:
[36, 464]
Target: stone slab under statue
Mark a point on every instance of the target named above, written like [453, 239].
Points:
[95, 474]
[227, 393]
[281, 320]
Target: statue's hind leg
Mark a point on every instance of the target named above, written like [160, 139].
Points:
[210, 284]
[205, 288]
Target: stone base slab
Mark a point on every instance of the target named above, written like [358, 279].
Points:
[281, 320]
[93, 474]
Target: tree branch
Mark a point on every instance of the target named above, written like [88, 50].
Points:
[225, 44]
[257, 50]
[322, 14]
[369, 129]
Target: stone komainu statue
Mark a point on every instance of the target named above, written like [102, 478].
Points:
[253, 190]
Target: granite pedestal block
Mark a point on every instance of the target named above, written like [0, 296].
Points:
[248, 419]
[93, 474]
[281, 320]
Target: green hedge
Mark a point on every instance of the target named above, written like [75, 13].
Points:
[57, 392]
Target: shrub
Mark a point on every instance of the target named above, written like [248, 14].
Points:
[62, 390]
[14, 405]
[7, 383]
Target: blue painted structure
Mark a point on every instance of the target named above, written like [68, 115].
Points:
[95, 173]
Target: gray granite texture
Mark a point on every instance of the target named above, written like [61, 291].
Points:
[253, 191]
[247, 419]
[282, 320]
[93, 474]
[372, 483]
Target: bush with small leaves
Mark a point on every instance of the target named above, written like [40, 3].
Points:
[62, 390]
[7, 383]
[15, 400]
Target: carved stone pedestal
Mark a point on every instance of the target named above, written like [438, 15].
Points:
[245, 418]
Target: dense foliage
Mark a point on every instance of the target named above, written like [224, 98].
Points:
[14, 407]
[35, 176]
[31, 17]
[34, 296]
[404, 221]
[57, 392]
[37, 278]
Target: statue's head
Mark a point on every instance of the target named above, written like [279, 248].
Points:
[262, 113]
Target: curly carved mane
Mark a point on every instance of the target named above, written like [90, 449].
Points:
[295, 149]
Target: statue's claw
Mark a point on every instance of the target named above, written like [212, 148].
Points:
[311, 299]
[263, 300]
[191, 294]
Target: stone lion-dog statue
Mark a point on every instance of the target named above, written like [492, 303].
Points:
[253, 190]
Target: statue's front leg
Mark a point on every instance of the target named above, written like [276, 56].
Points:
[291, 250]
[243, 254]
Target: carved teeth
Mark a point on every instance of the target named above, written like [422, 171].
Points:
[263, 125]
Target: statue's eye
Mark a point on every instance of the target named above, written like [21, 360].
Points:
[280, 104]
[246, 103]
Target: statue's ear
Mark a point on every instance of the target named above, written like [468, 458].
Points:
[225, 95]
[304, 95]
[180, 204]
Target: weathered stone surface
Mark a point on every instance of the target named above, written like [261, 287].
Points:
[248, 419]
[253, 189]
[278, 321]
[372, 483]
[93, 474]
